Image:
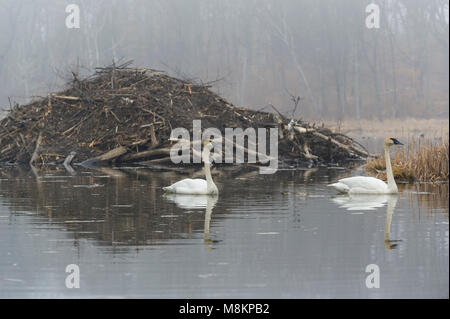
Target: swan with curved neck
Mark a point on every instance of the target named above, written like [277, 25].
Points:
[197, 186]
[371, 185]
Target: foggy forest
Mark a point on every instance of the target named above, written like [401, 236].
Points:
[254, 53]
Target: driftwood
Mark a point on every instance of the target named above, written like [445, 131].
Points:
[36, 150]
[69, 158]
[106, 157]
[145, 155]
[308, 154]
[301, 129]
[350, 149]
[70, 98]
[68, 161]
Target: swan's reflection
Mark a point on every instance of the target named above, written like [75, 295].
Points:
[206, 202]
[371, 202]
[361, 202]
[392, 202]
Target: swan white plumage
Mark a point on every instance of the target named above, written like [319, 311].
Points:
[371, 185]
[197, 186]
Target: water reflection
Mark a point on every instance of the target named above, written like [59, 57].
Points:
[372, 202]
[430, 197]
[114, 206]
[361, 202]
[187, 202]
[266, 236]
[391, 203]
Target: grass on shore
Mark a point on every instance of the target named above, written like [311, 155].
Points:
[420, 160]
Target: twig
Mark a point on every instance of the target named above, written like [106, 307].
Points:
[36, 150]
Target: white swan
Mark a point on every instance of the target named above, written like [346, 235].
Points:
[371, 185]
[197, 186]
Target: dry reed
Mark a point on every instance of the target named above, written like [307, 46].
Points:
[420, 160]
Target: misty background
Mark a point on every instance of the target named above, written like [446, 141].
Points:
[255, 52]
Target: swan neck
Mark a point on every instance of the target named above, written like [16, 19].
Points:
[207, 169]
[208, 176]
[390, 176]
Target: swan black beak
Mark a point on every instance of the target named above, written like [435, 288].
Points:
[396, 142]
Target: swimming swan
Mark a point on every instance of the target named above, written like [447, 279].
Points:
[371, 185]
[197, 186]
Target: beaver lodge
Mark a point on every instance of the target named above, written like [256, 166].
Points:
[122, 114]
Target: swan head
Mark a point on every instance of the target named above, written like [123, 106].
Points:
[208, 144]
[390, 141]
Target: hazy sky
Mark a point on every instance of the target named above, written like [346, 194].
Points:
[346, 59]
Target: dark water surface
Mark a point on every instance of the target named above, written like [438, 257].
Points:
[277, 236]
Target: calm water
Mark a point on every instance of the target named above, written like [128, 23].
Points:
[277, 236]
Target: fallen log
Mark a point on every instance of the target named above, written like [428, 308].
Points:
[63, 97]
[350, 149]
[69, 158]
[302, 130]
[145, 155]
[107, 157]
[307, 153]
[68, 161]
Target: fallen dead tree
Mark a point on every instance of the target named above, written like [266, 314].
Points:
[122, 114]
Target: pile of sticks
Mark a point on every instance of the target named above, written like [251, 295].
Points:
[122, 114]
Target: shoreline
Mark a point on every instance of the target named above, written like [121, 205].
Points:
[428, 128]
